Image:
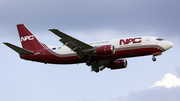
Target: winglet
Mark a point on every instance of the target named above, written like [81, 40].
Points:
[19, 50]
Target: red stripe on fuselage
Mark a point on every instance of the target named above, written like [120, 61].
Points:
[48, 56]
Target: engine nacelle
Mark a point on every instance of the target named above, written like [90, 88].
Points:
[105, 50]
[118, 64]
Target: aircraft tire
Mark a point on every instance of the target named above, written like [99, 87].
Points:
[96, 69]
[88, 63]
[154, 59]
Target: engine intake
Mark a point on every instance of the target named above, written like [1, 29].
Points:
[105, 50]
[118, 64]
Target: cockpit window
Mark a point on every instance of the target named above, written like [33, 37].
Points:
[159, 39]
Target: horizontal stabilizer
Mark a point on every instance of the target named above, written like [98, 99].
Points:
[20, 50]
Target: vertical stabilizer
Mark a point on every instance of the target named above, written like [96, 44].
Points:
[28, 40]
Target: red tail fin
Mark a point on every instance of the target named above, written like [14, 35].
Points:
[28, 40]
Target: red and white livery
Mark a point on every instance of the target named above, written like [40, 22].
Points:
[98, 55]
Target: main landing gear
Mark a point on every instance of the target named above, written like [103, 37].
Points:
[88, 62]
[93, 64]
[94, 67]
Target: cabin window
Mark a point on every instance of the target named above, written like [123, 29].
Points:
[159, 39]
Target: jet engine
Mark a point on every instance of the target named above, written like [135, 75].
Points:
[105, 50]
[118, 64]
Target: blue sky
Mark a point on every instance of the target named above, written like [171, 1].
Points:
[89, 21]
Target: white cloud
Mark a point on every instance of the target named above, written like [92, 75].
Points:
[168, 81]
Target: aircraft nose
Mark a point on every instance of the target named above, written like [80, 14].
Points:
[168, 45]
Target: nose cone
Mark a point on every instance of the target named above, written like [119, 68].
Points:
[168, 45]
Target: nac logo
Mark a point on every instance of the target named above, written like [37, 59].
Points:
[127, 41]
[31, 37]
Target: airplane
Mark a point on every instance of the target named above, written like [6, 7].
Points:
[99, 55]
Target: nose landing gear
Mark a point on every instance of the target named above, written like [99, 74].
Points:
[154, 59]
[156, 54]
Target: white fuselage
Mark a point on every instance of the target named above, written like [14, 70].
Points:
[119, 43]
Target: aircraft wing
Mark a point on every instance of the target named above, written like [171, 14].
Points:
[75, 45]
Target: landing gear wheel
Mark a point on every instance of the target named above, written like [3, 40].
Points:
[88, 62]
[154, 59]
[96, 69]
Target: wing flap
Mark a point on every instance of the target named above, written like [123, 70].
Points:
[19, 50]
[68, 43]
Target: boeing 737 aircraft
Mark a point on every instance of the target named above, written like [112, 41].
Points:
[99, 55]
